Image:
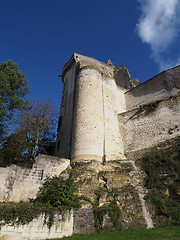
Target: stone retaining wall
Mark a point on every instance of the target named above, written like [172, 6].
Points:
[36, 230]
[18, 183]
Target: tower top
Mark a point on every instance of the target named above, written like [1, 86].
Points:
[84, 61]
[110, 63]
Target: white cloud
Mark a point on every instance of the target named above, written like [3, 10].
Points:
[165, 63]
[158, 26]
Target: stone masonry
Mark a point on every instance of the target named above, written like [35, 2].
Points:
[105, 114]
[22, 184]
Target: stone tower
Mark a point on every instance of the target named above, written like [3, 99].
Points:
[93, 96]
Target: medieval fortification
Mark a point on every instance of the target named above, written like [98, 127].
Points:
[104, 113]
[107, 122]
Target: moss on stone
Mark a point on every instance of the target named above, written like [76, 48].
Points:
[162, 168]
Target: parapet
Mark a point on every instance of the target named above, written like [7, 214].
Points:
[120, 74]
[83, 61]
[161, 86]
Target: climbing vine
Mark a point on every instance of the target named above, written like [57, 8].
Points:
[55, 196]
[111, 209]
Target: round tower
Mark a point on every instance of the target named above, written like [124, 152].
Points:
[88, 124]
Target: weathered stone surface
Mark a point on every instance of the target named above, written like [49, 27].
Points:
[35, 230]
[122, 77]
[17, 183]
[100, 184]
[163, 85]
[84, 221]
[110, 63]
[150, 125]
[95, 99]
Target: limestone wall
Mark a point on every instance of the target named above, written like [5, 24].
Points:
[113, 103]
[154, 123]
[63, 145]
[93, 96]
[161, 86]
[17, 183]
[88, 125]
[98, 100]
[94, 63]
[35, 230]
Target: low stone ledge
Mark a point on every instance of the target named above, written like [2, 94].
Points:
[37, 229]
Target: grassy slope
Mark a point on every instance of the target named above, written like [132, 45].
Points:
[170, 233]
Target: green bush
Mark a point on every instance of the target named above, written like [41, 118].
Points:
[58, 192]
[167, 207]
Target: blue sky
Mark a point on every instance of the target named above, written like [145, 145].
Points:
[41, 36]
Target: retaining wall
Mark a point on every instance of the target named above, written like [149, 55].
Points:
[17, 183]
[36, 230]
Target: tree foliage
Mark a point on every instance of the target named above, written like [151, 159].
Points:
[37, 125]
[13, 87]
[13, 150]
[34, 130]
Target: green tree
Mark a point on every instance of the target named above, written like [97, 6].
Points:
[34, 132]
[13, 150]
[37, 125]
[13, 87]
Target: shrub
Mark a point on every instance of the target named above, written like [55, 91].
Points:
[58, 192]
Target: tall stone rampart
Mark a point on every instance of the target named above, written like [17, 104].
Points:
[64, 133]
[113, 103]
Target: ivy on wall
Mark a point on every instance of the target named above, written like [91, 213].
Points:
[56, 195]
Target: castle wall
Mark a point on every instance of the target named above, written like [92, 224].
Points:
[63, 146]
[145, 127]
[35, 230]
[95, 128]
[161, 86]
[114, 103]
[94, 94]
[88, 125]
[17, 183]
[92, 99]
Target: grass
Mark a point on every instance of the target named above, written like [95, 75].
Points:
[169, 233]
